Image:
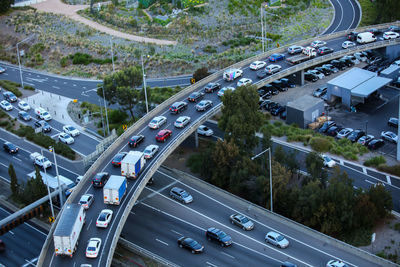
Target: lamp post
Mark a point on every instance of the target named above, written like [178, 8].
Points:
[144, 84]
[51, 149]
[48, 189]
[112, 55]
[270, 172]
[19, 60]
[262, 27]
[102, 119]
[105, 107]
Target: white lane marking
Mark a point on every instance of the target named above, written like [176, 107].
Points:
[54, 135]
[84, 87]
[162, 242]
[4, 164]
[56, 87]
[254, 220]
[203, 229]
[176, 232]
[17, 158]
[213, 265]
[368, 181]
[364, 170]
[6, 74]
[354, 12]
[73, 84]
[341, 17]
[65, 82]
[26, 223]
[56, 80]
[157, 192]
[226, 254]
[388, 179]
[11, 232]
[87, 228]
[31, 262]
[31, 84]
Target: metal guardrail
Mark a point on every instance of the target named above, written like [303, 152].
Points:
[141, 122]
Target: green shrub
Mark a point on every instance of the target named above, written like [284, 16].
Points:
[11, 86]
[28, 87]
[395, 169]
[375, 161]
[210, 49]
[195, 162]
[117, 116]
[320, 144]
[64, 62]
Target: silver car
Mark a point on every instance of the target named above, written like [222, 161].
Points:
[277, 240]
[344, 133]
[86, 200]
[180, 195]
[241, 221]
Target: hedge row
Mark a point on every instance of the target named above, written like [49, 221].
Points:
[11, 86]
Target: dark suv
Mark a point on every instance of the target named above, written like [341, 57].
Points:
[9, 96]
[178, 107]
[196, 96]
[45, 126]
[100, 179]
[211, 87]
[215, 234]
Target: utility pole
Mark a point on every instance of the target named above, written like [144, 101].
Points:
[270, 173]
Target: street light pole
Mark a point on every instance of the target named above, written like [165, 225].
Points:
[102, 119]
[51, 149]
[262, 28]
[144, 86]
[105, 107]
[270, 173]
[112, 55]
[19, 60]
[48, 189]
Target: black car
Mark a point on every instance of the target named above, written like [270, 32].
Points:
[338, 64]
[283, 115]
[118, 158]
[325, 50]
[364, 140]
[375, 144]
[264, 97]
[264, 104]
[355, 135]
[44, 125]
[320, 91]
[330, 67]
[394, 122]
[352, 36]
[326, 126]
[333, 131]
[24, 116]
[271, 105]
[2, 244]
[394, 29]
[347, 62]
[325, 71]
[190, 244]
[218, 235]
[287, 83]
[310, 77]
[136, 140]
[288, 264]
[178, 107]
[262, 73]
[279, 85]
[10, 147]
[100, 179]
[211, 87]
[195, 96]
[277, 110]
[375, 31]
[9, 96]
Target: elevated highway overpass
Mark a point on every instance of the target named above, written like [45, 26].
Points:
[121, 213]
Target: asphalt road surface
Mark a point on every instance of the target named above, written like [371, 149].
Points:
[347, 16]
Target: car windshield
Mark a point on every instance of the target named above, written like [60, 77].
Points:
[245, 220]
[67, 136]
[97, 177]
[327, 158]
[83, 202]
[205, 129]
[153, 121]
[192, 243]
[102, 217]
[222, 235]
[184, 194]
[71, 128]
[147, 151]
[279, 238]
[91, 248]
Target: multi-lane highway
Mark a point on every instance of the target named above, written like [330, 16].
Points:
[347, 16]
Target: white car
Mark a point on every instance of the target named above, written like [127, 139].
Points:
[276, 239]
[273, 68]
[328, 162]
[390, 35]
[182, 121]
[104, 218]
[256, 65]
[66, 138]
[318, 73]
[156, 122]
[6, 105]
[93, 247]
[344, 133]
[24, 106]
[348, 44]
[71, 130]
[224, 89]
[150, 151]
[244, 81]
[389, 136]
[46, 116]
[318, 44]
[2, 70]
[86, 200]
[336, 263]
[204, 130]
[361, 56]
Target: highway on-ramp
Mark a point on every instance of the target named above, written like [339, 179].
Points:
[347, 16]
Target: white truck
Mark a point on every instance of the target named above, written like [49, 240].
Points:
[40, 160]
[42, 114]
[232, 74]
[307, 53]
[68, 230]
[133, 164]
[114, 189]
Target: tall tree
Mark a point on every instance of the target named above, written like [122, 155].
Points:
[225, 157]
[382, 200]
[14, 185]
[388, 10]
[5, 5]
[40, 189]
[240, 118]
[315, 168]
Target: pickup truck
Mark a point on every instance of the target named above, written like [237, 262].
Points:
[42, 114]
[40, 160]
[306, 54]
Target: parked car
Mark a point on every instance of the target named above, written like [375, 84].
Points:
[390, 35]
[100, 179]
[93, 247]
[2, 244]
[135, 140]
[319, 74]
[211, 87]
[10, 97]
[344, 133]
[180, 195]
[182, 121]
[66, 138]
[104, 218]
[338, 64]
[310, 77]
[277, 110]
[190, 244]
[217, 235]
[393, 122]
[355, 135]
[163, 135]
[279, 85]
[195, 96]
[347, 62]
[330, 67]
[178, 107]
[4, 104]
[364, 140]
[271, 105]
[333, 131]
[352, 58]
[118, 158]
[244, 81]
[272, 68]
[360, 56]
[241, 221]
[375, 144]
[328, 162]
[204, 105]
[295, 49]
[256, 65]
[326, 126]
[336, 263]
[276, 57]
[319, 91]
[86, 200]
[287, 83]
[276, 239]
[325, 50]
[348, 44]
[23, 105]
[44, 125]
[325, 71]
[204, 130]
[150, 151]
[389, 136]
[10, 147]
[24, 116]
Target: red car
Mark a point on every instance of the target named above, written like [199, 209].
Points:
[163, 135]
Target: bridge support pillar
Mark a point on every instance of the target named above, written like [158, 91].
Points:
[297, 78]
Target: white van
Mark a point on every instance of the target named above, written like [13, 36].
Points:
[365, 37]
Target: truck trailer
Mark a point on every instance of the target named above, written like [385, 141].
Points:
[133, 164]
[114, 189]
[307, 53]
[40, 160]
[68, 230]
